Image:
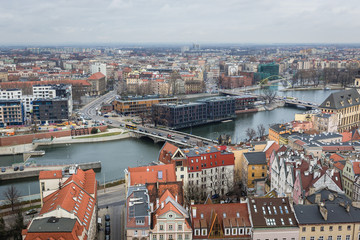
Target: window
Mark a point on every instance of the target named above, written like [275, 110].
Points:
[312, 238]
[349, 227]
[241, 231]
[186, 236]
[154, 237]
[313, 229]
[170, 227]
[321, 238]
[330, 228]
[303, 238]
[338, 237]
[234, 231]
[347, 237]
[227, 231]
[179, 227]
[197, 232]
[179, 237]
[252, 174]
[203, 232]
[330, 238]
[161, 227]
[143, 233]
[304, 229]
[170, 236]
[321, 228]
[135, 233]
[340, 228]
[253, 167]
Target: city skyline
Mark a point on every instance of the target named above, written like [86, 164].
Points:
[39, 22]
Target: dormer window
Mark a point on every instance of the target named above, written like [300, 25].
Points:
[350, 100]
[203, 232]
[328, 103]
[342, 103]
[227, 231]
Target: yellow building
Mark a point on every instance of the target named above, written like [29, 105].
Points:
[138, 105]
[346, 104]
[254, 167]
[279, 133]
[328, 221]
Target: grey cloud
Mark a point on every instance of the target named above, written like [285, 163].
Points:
[235, 21]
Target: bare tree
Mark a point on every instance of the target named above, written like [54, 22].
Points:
[250, 133]
[12, 195]
[192, 192]
[261, 130]
[269, 95]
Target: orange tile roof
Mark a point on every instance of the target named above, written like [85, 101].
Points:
[85, 179]
[71, 198]
[55, 174]
[356, 167]
[150, 174]
[339, 165]
[346, 136]
[96, 76]
[336, 157]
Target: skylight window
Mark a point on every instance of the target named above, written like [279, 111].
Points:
[290, 221]
[286, 210]
[255, 208]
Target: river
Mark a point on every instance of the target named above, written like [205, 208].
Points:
[115, 156]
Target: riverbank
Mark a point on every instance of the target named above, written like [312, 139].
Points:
[272, 106]
[110, 135]
[330, 87]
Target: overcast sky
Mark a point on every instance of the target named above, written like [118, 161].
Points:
[179, 21]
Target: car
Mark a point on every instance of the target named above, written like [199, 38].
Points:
[205, 143]
[187, 137]
[184, 141]
[146, 131]
[140, 130]
[21, 168]
[107, 224]
[107, 230]
[16, 168]
[153, 133]
[3, 169]
[160, 134]
[107, 217]
[106, 116]
[107, 237]
[215, 196]
[31, 212]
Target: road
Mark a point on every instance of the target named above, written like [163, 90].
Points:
[112, 202]
[89, 110]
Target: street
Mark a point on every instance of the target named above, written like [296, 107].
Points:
[112, 202]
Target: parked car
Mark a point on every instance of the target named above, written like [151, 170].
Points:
[187, 137]
[107, 217]
[3, 169]
[184, 141]
[21, 168]
[31, 212]
[159, 134]
[16, 168]
[107, 237]
[107, 230]
[107, 224]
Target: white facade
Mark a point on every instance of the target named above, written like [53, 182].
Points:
[282, 177]
[10, 94]
[98, 67]
[215, 180]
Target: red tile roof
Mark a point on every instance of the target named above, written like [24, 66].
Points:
[96, 76]
[17, 84]
[206, 215]
[55, 174]
[85, 179]
[152, 174]
[336, 157]
[356, 167]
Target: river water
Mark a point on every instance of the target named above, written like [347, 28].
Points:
[115, 156]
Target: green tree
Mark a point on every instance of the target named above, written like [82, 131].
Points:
[12, 195]
[94, 130]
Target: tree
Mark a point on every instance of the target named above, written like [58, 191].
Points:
[269, 95]
[12, 196]
[192, 192]
[3, 232]
[18, 225]
[250, 133]
[261, 130]
[94, 130]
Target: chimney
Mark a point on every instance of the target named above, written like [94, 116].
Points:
[194, 212]
[317, 198]
[323, 211]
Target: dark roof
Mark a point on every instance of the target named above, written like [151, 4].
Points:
[341, 99]
[310, 214]
[52, 224]
[271, 213]
[255, 158]
[328, 196]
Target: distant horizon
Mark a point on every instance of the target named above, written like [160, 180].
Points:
[66, 22]
[172, 44]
